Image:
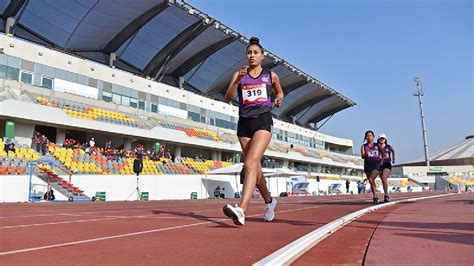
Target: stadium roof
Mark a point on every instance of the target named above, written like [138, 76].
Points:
[164, 40]
[459, 154]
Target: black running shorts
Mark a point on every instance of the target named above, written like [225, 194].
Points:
[386, 165]
[246, 127]
[371, 166]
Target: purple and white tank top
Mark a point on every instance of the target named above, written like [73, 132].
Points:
[373, 153]
[255, 94]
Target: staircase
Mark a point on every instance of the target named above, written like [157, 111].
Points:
[71, 192]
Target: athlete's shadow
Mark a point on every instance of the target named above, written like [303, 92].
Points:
[282, 221]
[218, 221]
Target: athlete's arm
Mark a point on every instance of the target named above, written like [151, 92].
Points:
[363, 154]
[277, 89]
[234, 83]
[393, 154]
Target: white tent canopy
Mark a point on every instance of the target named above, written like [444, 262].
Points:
[236, 169]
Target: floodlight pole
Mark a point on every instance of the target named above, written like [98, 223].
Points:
[419, 93]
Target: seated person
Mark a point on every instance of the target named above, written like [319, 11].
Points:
[222, 193]
[217, 192]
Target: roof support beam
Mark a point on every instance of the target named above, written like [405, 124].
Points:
[37, 35]
[117, 41]
[309, 102]
[167, 53]
[201, 56]
[315, 118]
[13, 8]
[294, 86]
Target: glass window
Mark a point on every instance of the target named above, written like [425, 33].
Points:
[141, 105]
[3, 71]
[14, 62]
[37, 79]
[154, 108]
[61, 74]
[194, 116]
[13, 73]
[125, 100]
[26, 77]
[133, 102]
[203, 119]
[116, 98]
[72, 77]
[3, 59]
[49, 71]
[83, 80]
[47, 83]
[106, 96]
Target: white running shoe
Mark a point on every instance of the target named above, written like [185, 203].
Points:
[235, 213]
[269, 211]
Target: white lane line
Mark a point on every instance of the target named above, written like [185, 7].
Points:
[90, 220]
[292, 251]
[134, 234]
[54, 223]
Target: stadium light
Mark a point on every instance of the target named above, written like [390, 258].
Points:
[419, 93]
[191, 11]
[216, 25]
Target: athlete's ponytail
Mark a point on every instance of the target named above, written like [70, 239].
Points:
[255, 41]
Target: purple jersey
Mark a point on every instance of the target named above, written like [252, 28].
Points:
[373, 153]
[255, 95]
[387, 150]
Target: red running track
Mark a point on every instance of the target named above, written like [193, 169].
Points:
[162, 232]
[438, 231]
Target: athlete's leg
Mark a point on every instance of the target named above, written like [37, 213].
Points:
[258, 145]
[384, 176]
[373, 186]
[262, 185]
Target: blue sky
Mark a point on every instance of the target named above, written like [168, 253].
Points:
[370, 50]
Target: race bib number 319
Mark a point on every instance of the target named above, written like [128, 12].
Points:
[254, 93]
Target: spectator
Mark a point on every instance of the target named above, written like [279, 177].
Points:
[139, 151]
[92, 143]
[7, 144]
[12, 146]
[217, 192]
[108, 144]
[44, 145]
[38, 142]
[348, 183]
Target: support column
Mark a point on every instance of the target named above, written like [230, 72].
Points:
[127, 144]
[60, 135]
[177, 151]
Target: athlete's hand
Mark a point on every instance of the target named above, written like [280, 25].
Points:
[243, 71]
[278, 101]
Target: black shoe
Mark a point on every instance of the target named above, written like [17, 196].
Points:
[376, 200]
[386, 198]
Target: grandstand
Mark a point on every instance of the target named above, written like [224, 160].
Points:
[132, 85]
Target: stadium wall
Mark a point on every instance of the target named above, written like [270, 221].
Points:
[39, 54]
[159, 187]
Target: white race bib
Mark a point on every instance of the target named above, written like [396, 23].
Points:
[373, 153]
[254, 93]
